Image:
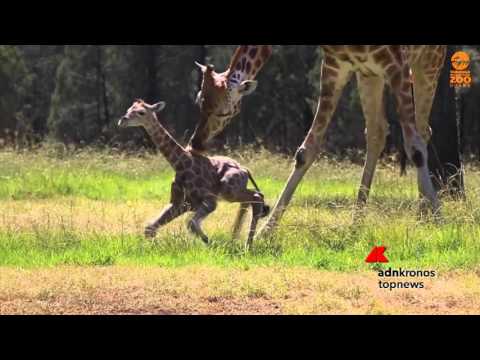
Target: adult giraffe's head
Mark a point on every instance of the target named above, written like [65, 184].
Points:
[220, 96]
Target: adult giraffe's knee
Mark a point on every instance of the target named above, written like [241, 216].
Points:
[306, 153]
[425, 132]
[416, 148]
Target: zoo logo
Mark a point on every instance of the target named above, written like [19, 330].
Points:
[460, 75]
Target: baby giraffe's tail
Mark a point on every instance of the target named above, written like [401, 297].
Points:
[253, 181]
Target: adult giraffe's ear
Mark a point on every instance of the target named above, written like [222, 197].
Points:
[247, 87]
[208, 68]
[158, 106]
[203, 68]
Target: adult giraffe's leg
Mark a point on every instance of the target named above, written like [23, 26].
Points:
[426, 72]
[371, 91]
[415, 147]
[333, 80]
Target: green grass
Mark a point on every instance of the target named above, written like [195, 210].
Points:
[317, 230]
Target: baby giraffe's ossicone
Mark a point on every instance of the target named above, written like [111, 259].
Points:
[200, 181]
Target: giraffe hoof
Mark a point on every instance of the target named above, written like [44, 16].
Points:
[361, 203]
[150, 233]
[195, 229]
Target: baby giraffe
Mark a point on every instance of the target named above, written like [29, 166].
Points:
[200, 181]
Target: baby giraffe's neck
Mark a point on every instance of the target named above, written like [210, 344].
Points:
[166, 144]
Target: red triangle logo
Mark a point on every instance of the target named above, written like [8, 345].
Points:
[377, 255]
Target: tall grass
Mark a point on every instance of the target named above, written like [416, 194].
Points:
[88, 208]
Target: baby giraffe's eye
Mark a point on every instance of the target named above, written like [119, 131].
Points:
[141, 113]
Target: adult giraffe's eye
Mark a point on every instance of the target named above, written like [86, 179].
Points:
[141, 113]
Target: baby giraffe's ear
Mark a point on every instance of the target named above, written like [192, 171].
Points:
[159, 106]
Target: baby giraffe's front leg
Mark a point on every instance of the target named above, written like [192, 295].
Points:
[170, 213]
[177, 207]
[207, 207]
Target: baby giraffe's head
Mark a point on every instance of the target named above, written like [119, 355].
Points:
[141, 114]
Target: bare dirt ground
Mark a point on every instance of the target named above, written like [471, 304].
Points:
[206, 290]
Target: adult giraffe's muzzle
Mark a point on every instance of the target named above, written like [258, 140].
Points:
[122, 123]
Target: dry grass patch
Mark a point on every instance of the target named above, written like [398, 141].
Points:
[211, 290]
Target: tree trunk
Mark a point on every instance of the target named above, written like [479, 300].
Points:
[105, 99]
[150, 62]
[99, 82]
[102, 88]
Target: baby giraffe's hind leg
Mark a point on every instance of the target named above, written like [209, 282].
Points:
[242, 212]
[256, 201]
[259, 210]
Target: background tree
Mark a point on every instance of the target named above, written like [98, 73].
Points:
[14, 85]
[77, 93]
[77, 111]
[42, 62]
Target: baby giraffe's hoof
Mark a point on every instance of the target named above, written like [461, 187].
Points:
[150, 233]
[195, 229]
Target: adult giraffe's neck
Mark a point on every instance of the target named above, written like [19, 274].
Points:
[166, 144]
[247, 61]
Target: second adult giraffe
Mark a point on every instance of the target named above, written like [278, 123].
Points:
[375, 66]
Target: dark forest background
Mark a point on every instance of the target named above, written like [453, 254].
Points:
[75, 94]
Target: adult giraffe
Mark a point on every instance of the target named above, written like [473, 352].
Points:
[220, 96]
[375, 66]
